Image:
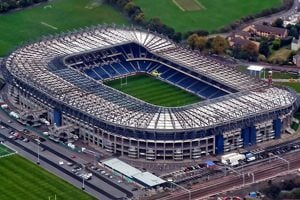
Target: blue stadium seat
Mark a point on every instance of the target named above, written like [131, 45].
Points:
[119, 68]
[92, 74]
[101, 72]
[110, 70]
[186, 82]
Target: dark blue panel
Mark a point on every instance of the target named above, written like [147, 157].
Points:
[219, 144]
[57, 116]
[252, 135]
[277, 124]
[246, 136]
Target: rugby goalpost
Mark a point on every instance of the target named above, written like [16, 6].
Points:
[123, 83]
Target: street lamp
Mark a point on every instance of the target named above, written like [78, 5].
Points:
[83, 186]
[38, 153]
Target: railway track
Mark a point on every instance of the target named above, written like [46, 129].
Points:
[261, 172]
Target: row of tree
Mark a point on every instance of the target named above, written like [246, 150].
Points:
[274, 190]
[6, 5]
[135, 13]
[216, 45]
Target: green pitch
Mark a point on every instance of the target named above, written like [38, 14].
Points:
[20, 179]
[56, 16]
[293, 85]
[213, 15]
[4, 150]
[154, 91]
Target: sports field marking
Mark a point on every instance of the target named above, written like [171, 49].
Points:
[178, 5]
[48, 6]
[48, 25]
[188, 5]
[6, 151]
[93, 5]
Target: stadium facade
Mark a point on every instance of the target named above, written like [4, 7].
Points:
[64, 75]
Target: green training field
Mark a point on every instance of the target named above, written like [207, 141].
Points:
[4, 151]
[20, 179]
[53, 17]
[293, 85]
[155, 91]
[214, 15]
[188, 5]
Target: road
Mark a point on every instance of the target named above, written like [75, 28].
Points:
[292, 69]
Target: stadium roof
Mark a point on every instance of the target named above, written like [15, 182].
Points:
[30, 64]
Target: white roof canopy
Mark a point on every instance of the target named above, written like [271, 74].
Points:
[146, 178]
[255, 68]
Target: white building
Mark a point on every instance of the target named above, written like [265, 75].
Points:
[295, 46]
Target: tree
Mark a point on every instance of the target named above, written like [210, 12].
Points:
[276, 44]
[4, 7]
[140, 18]
[294, 32]
[220, 45]
[250, 50]
[278, 23]
[201, 43]
[192, 40]
[264, 48]
[131, 9]
[177, 37]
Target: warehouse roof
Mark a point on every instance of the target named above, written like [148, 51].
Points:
[148, 179]
[144, 178]
[121, 167]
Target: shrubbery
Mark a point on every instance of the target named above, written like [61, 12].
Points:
[6, 5]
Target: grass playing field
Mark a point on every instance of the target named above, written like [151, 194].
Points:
[53, 17]
[293, 85]
[20, 179]
[216, 13]
[155, 91]
[188, 5]
[4, 151]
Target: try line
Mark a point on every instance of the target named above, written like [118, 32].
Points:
[48, 25]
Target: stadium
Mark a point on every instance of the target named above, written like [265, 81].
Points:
[138, 94]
